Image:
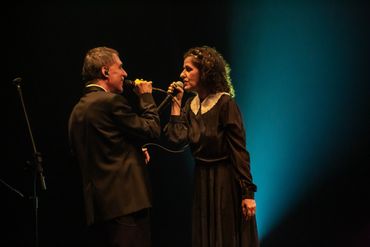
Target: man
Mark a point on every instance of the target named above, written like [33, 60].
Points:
[106, 135]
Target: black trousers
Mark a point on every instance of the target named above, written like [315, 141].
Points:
[132, 230]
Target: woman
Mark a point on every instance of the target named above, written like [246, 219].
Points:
[223, 202]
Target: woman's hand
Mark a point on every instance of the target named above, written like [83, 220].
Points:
[176, 100]
[248, 208]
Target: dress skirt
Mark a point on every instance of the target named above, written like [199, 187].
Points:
[217, 216]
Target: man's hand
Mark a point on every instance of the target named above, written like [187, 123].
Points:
[142, 86]
[146, 155]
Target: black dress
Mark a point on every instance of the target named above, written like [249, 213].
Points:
[214, 129]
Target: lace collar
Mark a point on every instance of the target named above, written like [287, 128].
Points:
[208, 103]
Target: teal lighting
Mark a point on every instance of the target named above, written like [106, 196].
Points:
[291, 67]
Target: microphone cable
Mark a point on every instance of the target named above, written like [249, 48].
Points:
[165, 92]
[164, 148]
[158, 145]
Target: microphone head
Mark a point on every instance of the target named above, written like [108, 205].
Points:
[180, 84]
[17, 80]
[129, 83]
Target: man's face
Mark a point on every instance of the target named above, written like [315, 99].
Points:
[116, 75]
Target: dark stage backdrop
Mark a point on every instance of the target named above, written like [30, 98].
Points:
[44, 43]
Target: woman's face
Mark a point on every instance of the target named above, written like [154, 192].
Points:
[190, 75]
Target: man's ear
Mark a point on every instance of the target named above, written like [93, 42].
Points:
[105, 71]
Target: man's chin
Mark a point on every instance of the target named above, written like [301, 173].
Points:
[118, 90]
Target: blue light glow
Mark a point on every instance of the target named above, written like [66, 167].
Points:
[291, 66]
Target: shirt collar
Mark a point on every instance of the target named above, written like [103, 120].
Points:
[96, 85]
[207, 104]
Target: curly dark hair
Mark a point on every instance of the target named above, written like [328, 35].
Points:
[214, 71]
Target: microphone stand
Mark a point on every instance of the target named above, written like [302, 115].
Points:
[38, 171]
[11, 188]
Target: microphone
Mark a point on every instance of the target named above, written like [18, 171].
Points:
[17, 81]
[168, 98]
[129, 83]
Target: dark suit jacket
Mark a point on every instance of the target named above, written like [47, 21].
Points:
[106, 136]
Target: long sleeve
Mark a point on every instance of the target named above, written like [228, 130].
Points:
[176, 130]
[145, 124]
[236, 141]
